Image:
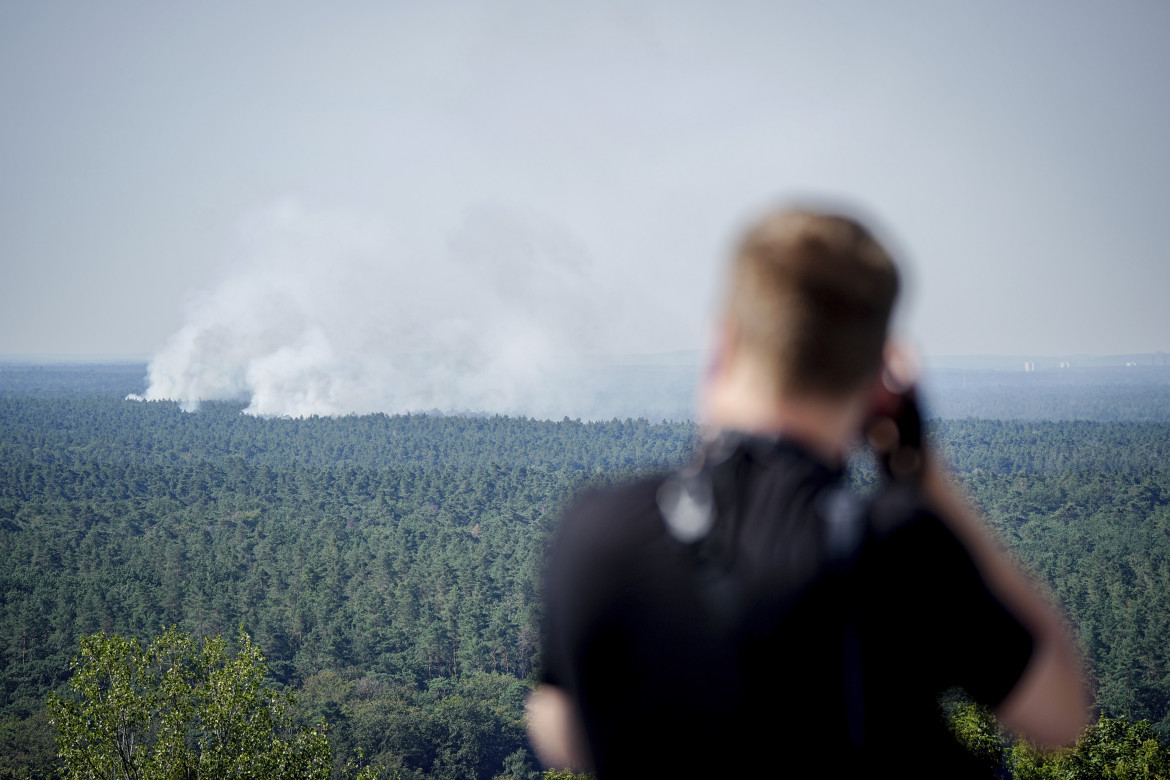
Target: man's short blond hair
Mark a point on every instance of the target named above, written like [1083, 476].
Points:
[811, 295]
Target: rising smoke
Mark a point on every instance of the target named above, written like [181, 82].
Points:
[323, 314]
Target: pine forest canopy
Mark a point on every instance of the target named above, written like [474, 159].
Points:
[389, 566]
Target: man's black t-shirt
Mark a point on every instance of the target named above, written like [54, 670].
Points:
[782, 659]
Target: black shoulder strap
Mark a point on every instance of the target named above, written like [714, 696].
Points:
[844, 516]
[843, 513]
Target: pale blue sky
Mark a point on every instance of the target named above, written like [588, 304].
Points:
[1018, 152]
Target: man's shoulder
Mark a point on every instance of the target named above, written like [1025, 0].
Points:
[614, 514]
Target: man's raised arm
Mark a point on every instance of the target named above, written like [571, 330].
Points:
[1048, 705]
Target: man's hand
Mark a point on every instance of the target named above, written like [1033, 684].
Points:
[895, 430]
[895, 434]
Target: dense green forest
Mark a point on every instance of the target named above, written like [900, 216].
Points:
[389, 566]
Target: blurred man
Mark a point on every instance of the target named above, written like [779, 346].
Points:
[752, 616]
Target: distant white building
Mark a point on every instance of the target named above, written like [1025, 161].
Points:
[1029, 365]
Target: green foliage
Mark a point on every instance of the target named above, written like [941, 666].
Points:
[27, 747]
[179, 709]
[1112, 749]
[977, 730]
[425, 566]
[469, 726]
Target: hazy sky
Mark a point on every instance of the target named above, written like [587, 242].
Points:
[579, 166]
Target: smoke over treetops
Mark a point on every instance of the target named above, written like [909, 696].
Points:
[325, 314]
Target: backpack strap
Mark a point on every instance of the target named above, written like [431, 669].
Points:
[844, 516]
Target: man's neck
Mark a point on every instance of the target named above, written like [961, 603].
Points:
[828, 427]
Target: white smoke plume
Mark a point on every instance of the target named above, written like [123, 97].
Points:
[324, 314]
